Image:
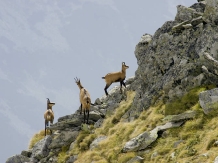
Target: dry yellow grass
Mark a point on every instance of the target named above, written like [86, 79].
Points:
[198, 136]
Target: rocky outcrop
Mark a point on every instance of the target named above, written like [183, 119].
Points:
[143, 140]
[66, 130]
[40, 149]
[181, 117]
[172, 61]
[18, 159]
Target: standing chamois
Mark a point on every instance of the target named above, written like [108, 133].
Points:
[49, 114]
[85, 100]
[116, 77]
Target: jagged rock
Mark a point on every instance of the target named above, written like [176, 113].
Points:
[145, 39]
[69, 123]
[197, 21]
[65, 138]
[26, 153]
[181, 26]
[211, 12]
[209, 100]
[72, 159]
[97, 101]
[136, 159]
[18, 159]
[94, 108]
[143, 140]
[95, 143]
[95, 115]
[72, 145]
[115, 96]
[212, 60]
[185, 14]
[199, 7]
[181, 117]
[40, 149]
[103, 111]
[130, 80]
[98, 123]
[187, 26]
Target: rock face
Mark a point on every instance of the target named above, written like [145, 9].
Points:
[170, 62]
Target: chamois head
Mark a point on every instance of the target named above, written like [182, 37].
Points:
[124, 66]
[49, 104]
[78, 82]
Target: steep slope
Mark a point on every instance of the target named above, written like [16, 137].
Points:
[170, 62]
[158, 118]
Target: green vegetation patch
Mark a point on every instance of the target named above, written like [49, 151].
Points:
[184, 103]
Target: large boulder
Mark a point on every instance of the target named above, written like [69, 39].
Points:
[143, 140]
[65, 138]
[209, 100]
[185, 13]
[181, 117]
[40, 149]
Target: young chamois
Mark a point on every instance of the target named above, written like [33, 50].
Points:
[116, 77]
[85, 100]
[49, 114]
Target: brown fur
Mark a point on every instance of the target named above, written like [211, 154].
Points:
[116, 77]
[49, 115]
[85, 100]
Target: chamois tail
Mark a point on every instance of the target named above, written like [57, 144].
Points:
[103, 77]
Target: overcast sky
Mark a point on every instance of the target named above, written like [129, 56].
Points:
[45, 44]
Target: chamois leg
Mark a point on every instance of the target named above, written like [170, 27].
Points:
[105, 89]
[121, 86]
[124, 84]
[45, 126]
[84, 116]
[81, 109]
[50, 125]
[88, 117]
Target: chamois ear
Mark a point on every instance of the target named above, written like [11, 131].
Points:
[123, 63]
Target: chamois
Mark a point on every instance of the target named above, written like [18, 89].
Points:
[116, 77]
[49, 114]
[85, 100]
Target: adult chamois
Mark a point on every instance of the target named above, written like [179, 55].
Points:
[49, 115]
[116, 77]
[85, 100]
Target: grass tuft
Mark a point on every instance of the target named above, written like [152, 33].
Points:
[36, 137]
